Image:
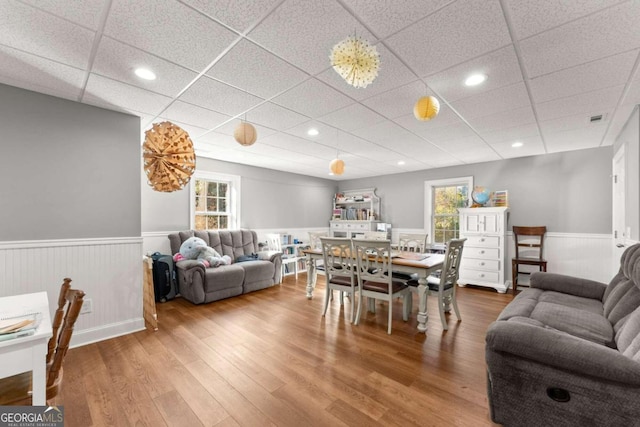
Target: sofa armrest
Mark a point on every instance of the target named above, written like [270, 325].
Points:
[190, 267]
[554, 348]
[269, 255]
[568, 284]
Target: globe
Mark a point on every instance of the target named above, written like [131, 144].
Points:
[480, 195]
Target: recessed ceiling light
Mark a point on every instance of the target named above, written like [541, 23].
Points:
[313, 132]
[475, 79]
[517, 144]
[401, 162]
[145, 73]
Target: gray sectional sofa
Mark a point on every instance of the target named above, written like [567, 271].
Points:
[567, 352]
[201, 285]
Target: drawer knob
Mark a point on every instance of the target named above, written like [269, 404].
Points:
[481, 252]
[482, 240]
[482, 263]
[481, 275]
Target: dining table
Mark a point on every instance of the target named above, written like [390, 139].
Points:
[422, 264]
[24, 352]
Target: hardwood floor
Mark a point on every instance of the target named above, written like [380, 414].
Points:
[269, 358]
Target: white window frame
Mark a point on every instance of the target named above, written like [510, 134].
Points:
[428, 198]
[234, 196]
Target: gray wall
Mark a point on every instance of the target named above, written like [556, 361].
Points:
[568, 192]
[630, 138]
[66, 169]
[270, 199]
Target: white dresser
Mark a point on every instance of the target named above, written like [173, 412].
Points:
[484, 254]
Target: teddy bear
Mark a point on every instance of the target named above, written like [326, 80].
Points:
[196, 248]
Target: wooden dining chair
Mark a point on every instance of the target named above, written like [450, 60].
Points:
[529, 243]
[339, 271]
[412, 242]
[375, 277]
[16, 390]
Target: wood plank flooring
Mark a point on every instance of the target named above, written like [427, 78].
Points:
[269, 358]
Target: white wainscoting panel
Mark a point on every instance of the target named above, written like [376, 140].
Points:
[588, 256]
[108, 270]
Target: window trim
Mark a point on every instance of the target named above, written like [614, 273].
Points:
[234, 196]
[428, 198]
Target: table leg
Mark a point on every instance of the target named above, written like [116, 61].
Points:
[39, 375]
[423, 315]
[311, 277]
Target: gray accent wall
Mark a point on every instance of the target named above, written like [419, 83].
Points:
[66, 169]
[269, 199]
[568, 192]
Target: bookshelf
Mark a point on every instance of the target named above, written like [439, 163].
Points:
[354, 212]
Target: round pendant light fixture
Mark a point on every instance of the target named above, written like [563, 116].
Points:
[245, 133]
[426, 108]
[337, 166]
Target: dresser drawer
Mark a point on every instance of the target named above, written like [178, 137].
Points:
[484, 241]
[467, 275]
[483, 253]
[480, 264]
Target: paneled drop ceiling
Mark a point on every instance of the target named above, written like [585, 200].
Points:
[550, 65]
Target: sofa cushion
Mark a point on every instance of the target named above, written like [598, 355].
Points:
[522, 305]
[579, 303]
[577, 322]
[621, 301]
[257, 270]
[628, 336]
[224, 277]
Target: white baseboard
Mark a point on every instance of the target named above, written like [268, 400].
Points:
[105, 332]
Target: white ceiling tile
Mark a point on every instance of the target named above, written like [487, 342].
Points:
[385, 18]
[447, 133]
[448, 37]
[275, 116]
[88, 14]
[588, 103]
[118, 96]
[533, 146]
[607, 72]
[354, 116]
[118, 61]
[39, 33]
[313, 98]
[215, 139]
[217, 96]
[511, 134]
[238, 14]
[326, 134]
[299, 145]
[166, 29]
[611, 31]
[533, 17]
[194, 115]
[618, 123]
[633, 94]
[576, 139]
[298, 25]
[262, 73]
[398, 102]
[391, 74]
[193, 131]
[503, 119]
[478, 154]
[578, 121]
[492, 102]
[38, 74]
[501, 68]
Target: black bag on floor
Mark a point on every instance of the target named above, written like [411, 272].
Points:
[164, 277]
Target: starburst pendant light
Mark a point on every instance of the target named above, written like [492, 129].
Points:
[169, 159]
[426, 108]
[356, 61]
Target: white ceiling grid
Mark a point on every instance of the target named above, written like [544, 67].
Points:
[551, 66]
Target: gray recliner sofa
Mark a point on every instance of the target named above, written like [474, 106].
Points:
[201, 285]
[567, 352]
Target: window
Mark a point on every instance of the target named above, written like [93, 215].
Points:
[214, 201]
[442, 200]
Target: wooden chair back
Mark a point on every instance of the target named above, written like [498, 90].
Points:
[314, 239]
[374, 235]
[338, 262]
[528, 241]
[73, 298]
[451, 266]
[57, 319]
[373, 261]
[412, 242]
[274, 242]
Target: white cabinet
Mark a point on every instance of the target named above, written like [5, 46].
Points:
[484, 254]
[355, 212]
